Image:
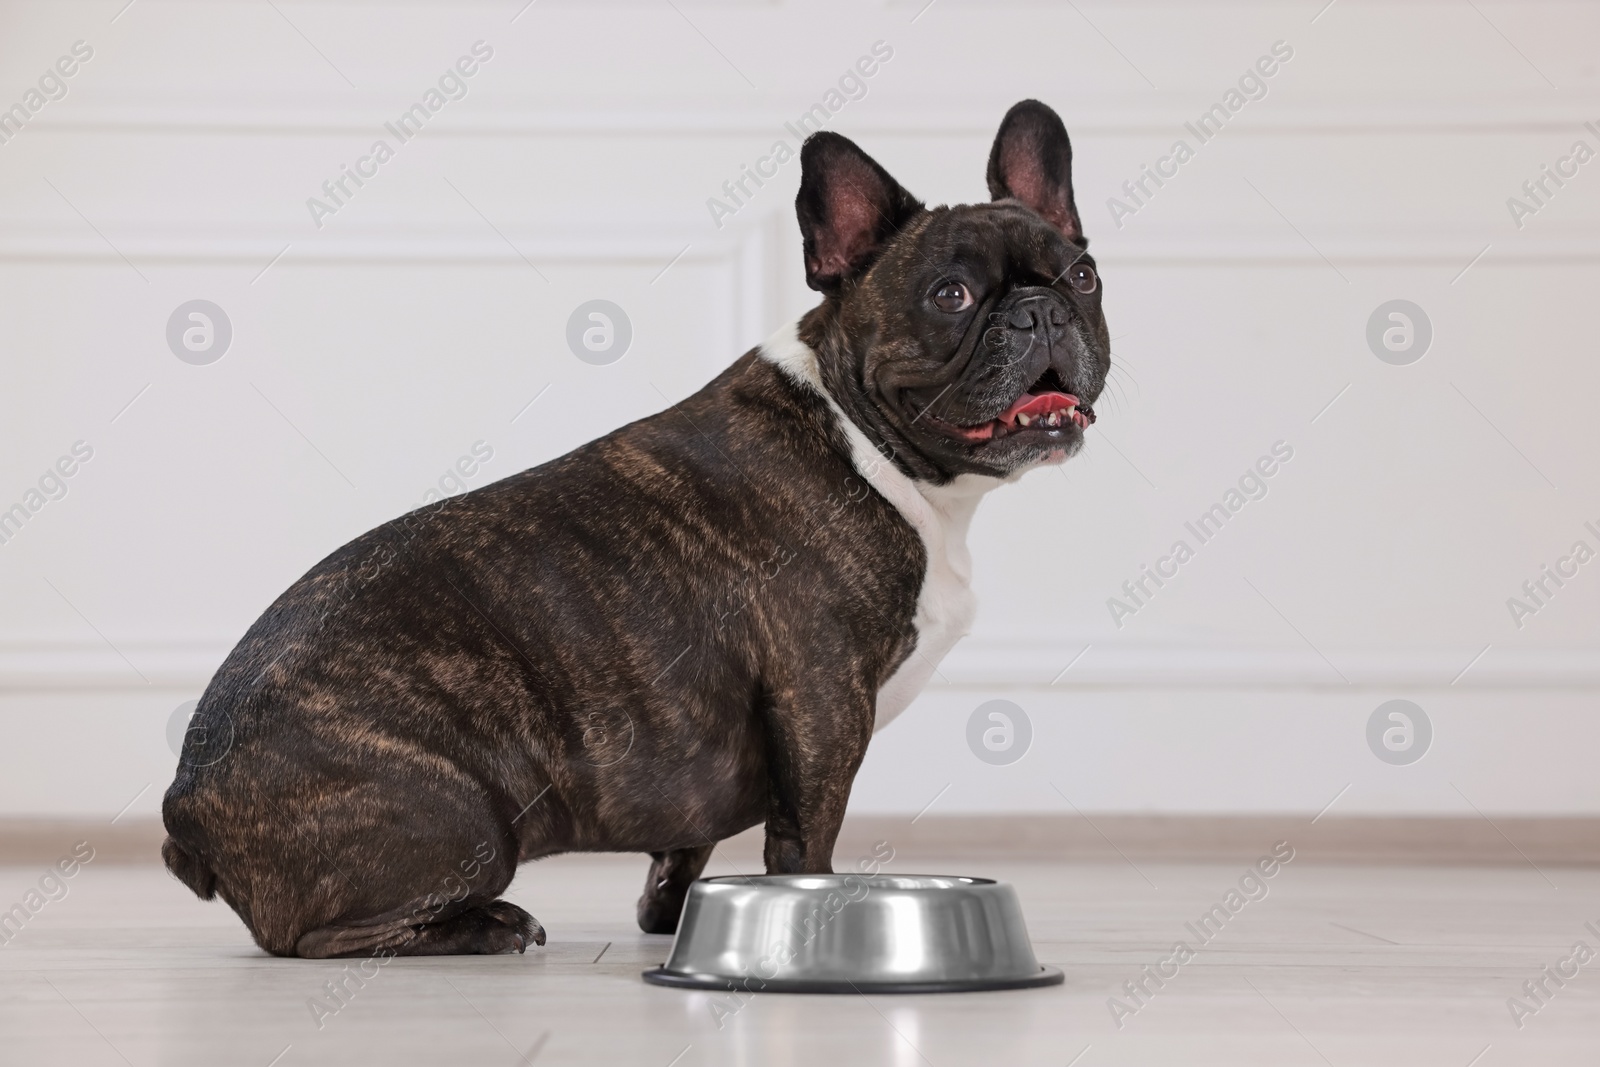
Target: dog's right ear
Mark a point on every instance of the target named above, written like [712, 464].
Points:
[848, 208]
[1032, 162]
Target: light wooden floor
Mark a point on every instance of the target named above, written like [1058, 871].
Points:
[1338, 965]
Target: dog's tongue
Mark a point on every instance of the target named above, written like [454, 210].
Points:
[1029, 404]
[1038, 404]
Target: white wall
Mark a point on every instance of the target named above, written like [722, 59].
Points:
[430, 309]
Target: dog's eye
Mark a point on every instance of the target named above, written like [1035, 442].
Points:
[952, 296]
[1083, 278]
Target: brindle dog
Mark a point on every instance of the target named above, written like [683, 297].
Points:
[687, 627]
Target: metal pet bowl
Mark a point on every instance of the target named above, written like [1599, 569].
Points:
[852, 933]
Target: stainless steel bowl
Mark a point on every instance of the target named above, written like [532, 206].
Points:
[852, 933]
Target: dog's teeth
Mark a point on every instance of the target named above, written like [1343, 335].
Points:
[1025, 420]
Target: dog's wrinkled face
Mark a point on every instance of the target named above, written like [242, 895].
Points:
[967, 339]
[991, 348]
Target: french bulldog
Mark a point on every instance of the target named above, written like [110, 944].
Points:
[687, 627]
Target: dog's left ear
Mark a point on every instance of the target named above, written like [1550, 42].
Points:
[848, 208]
[1032, 162]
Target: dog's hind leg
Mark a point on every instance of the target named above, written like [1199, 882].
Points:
[667, 885]
[389, 870]
[459, 914]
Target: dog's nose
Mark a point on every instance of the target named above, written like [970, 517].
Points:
[1037, 312]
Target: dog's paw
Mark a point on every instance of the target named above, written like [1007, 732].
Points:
[657, 916]
[521, 926]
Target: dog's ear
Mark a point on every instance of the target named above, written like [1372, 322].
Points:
[848, 207]
[1032, 162]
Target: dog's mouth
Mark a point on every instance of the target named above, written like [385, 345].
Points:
[1045, 409]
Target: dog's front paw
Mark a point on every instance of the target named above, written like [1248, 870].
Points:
[658, 912]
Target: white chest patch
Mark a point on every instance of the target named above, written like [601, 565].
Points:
[940, 515]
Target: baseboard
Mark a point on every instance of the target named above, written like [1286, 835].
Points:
[1522, 839]
[29, 841]
[1559, 840]
[980, 663]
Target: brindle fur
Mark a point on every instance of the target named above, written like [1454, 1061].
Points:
[669, 635]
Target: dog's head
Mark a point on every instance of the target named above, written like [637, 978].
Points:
[963, 339]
